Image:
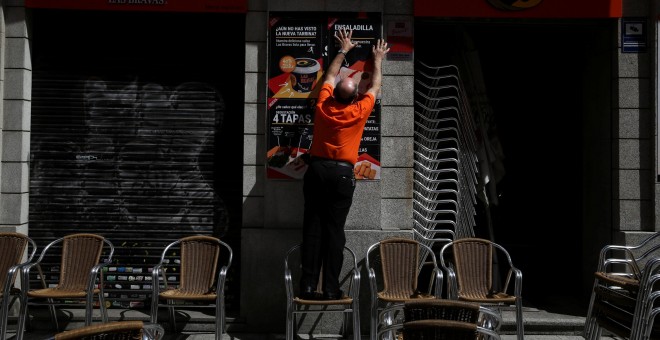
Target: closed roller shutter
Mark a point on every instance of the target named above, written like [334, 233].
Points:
[126, 145]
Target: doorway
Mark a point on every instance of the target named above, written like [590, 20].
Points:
[548, 88]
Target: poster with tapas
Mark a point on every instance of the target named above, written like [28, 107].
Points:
[301, 46]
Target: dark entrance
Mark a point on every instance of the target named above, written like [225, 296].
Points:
[548, 88]
[136, 135]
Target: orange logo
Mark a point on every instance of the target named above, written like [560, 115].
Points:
[514, 5]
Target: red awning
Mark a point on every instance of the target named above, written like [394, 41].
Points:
[228, 6]
[519, 8]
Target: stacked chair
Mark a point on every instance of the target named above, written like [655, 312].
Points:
[625, 291]
[445, 190]
[445, 158]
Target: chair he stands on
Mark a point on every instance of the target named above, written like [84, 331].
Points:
[297, 306]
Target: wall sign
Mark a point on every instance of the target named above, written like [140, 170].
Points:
[633, 35]
[400, 40]
[299, 53]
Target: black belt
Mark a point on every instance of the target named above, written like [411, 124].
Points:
[331, 161]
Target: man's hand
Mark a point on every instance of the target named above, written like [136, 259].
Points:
[380, 50]
[344, 39]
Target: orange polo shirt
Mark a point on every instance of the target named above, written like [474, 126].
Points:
[338, 127]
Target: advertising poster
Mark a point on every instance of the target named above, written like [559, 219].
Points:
[295, 67]
[300, 51]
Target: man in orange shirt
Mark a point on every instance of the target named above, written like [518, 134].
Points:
[329, 182]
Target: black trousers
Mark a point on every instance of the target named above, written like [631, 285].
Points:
[328, 188]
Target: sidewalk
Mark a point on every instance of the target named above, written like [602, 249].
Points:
[539, 325]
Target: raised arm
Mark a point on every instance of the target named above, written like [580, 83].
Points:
[344, 39]
[379, 50]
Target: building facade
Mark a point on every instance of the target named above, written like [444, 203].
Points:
[570, 96]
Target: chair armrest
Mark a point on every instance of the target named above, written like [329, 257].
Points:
[436, 280]
[154, 278]
[439, 281]
[94, 273]
[517, 290]
[222, 277]
[9, 281]
[373, 286]
[452, 284]
[288, 283]
[354, 286]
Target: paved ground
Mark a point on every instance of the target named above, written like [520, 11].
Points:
[538, 324]
[211, 336]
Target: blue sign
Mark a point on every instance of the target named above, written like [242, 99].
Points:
[633, 35]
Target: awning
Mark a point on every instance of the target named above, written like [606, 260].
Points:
[228, 6]
[519, 8]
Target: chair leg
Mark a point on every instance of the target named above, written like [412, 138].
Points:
[356, 321]
[154, 308]
[53, 314]
[220, 317]
[373, 323]
[89, 308]
[22, 314]
[104, 310]
[289, 320]
[588, 326]
[519, 320]
[4, 313]
[172, 316]
[346, 321]
[388, 320]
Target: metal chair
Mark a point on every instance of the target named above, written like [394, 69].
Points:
[201, 278]
[446, 330]
[348, 304]
[470, 275]
[82, 259]
[13, 247]
[395, 266]
[119, 330]
[446, 319]
[625, 290]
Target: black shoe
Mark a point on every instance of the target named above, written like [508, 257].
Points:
[338, 295]
[309, 293]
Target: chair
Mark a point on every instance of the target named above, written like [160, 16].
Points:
[395, 266]
[119, 330]
[470, 275]
[12, 249]
[447, 319]
[82, 258]
[445, 330]
[201, 278]
[348, 304]
[624, 291]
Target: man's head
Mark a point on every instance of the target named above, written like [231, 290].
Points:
[346, 91]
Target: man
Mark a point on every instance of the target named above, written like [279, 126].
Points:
[329, 182]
